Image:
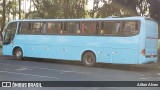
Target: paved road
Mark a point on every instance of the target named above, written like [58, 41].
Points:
[38, 70]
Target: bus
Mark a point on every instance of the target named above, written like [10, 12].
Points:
[120, 40]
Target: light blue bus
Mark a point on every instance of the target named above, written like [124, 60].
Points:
[127, 40]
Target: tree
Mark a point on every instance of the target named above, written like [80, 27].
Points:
[3, 17]
[36, 4]
[110, 9]
[60, 8]
[32, 14]
[11, 9]
[154, 12]
[95, 12]
[74, 8]
[119, 8]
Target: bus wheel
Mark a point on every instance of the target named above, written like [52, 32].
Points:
[18, 54]
[89, 59]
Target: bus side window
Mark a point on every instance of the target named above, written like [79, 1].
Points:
[89, 28]
[64, 28]
[36, 27]
[58, 28]
[101, 31]
[50, 28]
[54, 28]
[106, 28]
[93, 27]
[130, 27]
[83, 27]
[25, 28]
[97, 28]
[44, 28]
[70, 28]
[117, 28]
[77, 28]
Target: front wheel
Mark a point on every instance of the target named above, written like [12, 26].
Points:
[89, 59]
[18, 54]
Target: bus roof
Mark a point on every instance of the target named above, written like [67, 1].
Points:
[86, 19]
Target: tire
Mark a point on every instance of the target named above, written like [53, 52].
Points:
[18, 54]
[89, 59]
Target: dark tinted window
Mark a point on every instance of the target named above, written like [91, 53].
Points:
[37, 27]
[10, 33]
[107, 28]
[25, 28]
[89, 28]
[54, 28]
[130, 27]
[31, 27]
[72, 28]
[119, 28]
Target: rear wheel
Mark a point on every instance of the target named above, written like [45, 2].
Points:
[89, 59]
[18, 54]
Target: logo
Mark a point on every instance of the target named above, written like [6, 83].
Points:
[6, 84]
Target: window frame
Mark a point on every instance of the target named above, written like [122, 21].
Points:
[63, 31]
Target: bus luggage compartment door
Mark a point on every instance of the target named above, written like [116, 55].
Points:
[125, 56]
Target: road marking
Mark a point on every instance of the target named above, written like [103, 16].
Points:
[23, 69]
[147, 78]
[58, 70]
[143, 78]
[26, 74]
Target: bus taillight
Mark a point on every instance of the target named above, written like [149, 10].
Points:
[143, 52]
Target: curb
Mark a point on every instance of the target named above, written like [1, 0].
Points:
[155, 66]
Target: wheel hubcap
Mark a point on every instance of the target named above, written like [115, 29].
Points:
[18, 54]
[88, 59]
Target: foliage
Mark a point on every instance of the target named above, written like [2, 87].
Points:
[78, 8]
[32, 14]
[11, 9]
[154, 12]
[61, 8]
[119, 8]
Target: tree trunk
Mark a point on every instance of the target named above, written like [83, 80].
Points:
[3, 17]
[19, 9]
[41, 15]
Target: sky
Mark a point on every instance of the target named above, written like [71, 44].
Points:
[90, 4]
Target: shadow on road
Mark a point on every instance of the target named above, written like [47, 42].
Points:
[138, 68]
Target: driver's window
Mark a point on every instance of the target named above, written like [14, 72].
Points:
[12, 27]
[10, 32]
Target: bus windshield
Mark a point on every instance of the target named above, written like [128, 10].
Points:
[10, 33]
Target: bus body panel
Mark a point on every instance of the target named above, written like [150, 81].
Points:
[148, 41]
[125, 56]
[7, 49]
[151, 39]
[69, 48]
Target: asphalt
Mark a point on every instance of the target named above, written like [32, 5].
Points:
[151, 66]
